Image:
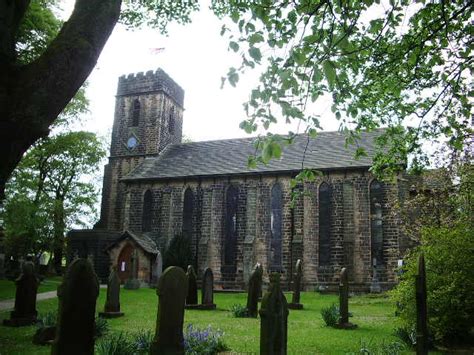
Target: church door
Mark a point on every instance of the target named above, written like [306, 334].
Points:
[124, 266]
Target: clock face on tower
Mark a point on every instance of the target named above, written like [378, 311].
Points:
[132, 142]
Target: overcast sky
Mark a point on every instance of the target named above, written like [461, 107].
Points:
[196, 57]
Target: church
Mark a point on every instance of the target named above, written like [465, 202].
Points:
[156, 188]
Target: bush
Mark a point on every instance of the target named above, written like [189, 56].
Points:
[239, 311]
[203, 341]
[178, 253]
[406, 335]
[330, 315]
[384, 348]
[450, 285]
[115, 344]
[101, 327]
[142, 341]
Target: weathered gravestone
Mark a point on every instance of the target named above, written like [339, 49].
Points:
[76, 317]
[343, 322]
[112, 303]
[295, 301]
[133, 283]
[192, 296]
[207, 300]
[255, 290]
[274, 319]
[171, 290]
[158, 268]
[422, 342]
[375, 284]
[25, 298]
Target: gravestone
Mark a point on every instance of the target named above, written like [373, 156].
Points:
[2, 265]
[343, 322]
[295, 301]
[422, 342]
[171, 290]
[274, 319]
[255, 290]
[112, 303]
[76, 316]
[133, 283]
[24, 312]
[207, 300]
[375, 284]
[192, 296]
[158, 268]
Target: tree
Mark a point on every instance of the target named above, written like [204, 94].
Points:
[401, 64]
[40, 71]
[48, 193]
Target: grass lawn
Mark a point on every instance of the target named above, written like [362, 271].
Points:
[307, 333]
[7, 287]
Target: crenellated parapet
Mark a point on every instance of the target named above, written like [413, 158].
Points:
[149, 82]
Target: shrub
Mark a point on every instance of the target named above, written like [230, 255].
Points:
[178, 253]
[101, 327]
[203, 341]
[384, 348]
[142, 341]
[450, 285]
[239, 311]
[115, 344]
[406, 335]
[330, 315]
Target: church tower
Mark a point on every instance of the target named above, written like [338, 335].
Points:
[148, 118]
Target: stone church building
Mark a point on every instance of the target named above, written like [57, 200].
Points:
[156, 188]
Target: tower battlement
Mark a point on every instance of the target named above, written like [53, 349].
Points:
[140, 83]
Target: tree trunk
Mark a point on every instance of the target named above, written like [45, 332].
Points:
[33, 95]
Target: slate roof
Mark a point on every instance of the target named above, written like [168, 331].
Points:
[225, 157]
[145, 242]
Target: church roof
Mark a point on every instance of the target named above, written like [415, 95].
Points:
[224, 157]
[145, 242]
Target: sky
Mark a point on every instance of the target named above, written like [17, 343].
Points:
[196, 57]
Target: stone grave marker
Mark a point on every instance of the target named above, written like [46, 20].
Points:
[207, 300]
[295, 301]
[255, 290]
[171, 290]
[24, 312]
[343, 322]
[158, 267]
[422, 342]
[274, 319]
[192, 296]
[133, 283]
[76, 317]
[112, 303]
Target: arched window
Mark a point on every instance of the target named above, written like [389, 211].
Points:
[275, 227]
[135, 113]
[325, 195]
[376, 222]
[171, 121]
[147, 211]
[188, 207]
[230, 241]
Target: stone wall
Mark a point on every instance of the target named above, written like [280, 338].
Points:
[350, 237]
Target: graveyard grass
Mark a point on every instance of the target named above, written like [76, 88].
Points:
[307, 332]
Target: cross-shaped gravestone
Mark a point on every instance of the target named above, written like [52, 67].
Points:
[171, 290]
[295, 301]
[112, 302]
[274, 319]
[76, 317]
[133, 283]
[25, 298]
[344, 302]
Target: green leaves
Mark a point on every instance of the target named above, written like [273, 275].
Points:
[330, 73]
[255, 53]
